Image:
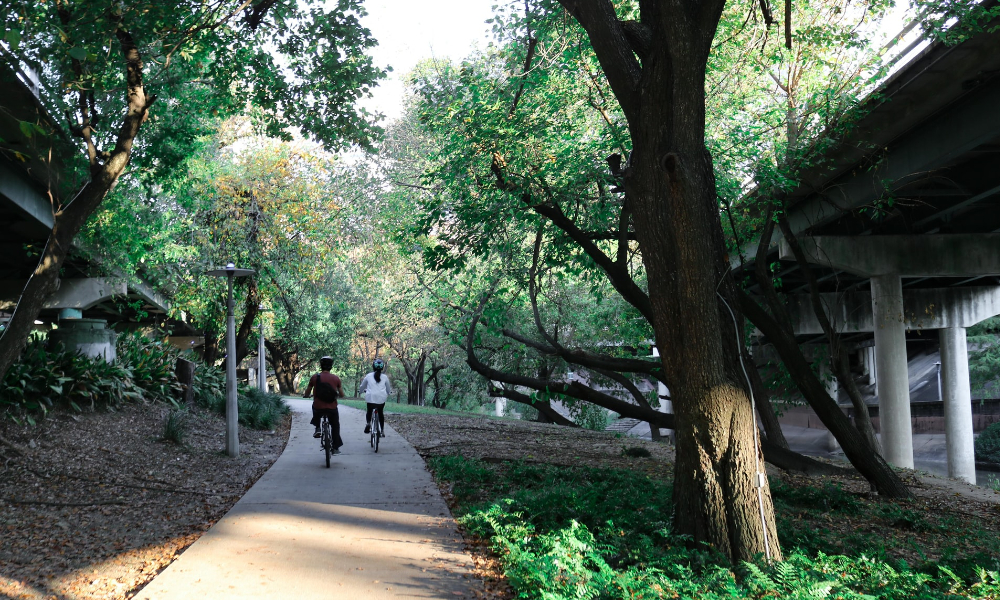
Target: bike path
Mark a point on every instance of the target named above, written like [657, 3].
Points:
[371, 527]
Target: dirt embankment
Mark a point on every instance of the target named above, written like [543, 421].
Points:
[94, 505]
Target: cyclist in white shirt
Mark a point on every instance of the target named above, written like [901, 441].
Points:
[377, 388]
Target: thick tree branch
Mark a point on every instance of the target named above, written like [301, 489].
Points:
[590, 360]
[613, 50]
[838, 353]
[617, 274]
[542, 406]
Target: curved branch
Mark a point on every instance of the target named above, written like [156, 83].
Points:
[590, 360]
[542, 406]
[617, 273]
[614, 52]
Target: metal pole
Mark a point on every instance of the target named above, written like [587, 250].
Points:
[232, 408]
[262, 360]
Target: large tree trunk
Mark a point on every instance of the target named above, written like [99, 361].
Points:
[211, 347]
[246, 325]
[720, 494]
[286, 366]
[69, 219]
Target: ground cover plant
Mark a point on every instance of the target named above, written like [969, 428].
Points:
[583, 532]
[257, 409]
[988, 444]
[45, 378]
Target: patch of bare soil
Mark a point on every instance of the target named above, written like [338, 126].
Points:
[497, 440]
[95, 505]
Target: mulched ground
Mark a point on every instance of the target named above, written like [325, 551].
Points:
[507, 439]
[94, 505]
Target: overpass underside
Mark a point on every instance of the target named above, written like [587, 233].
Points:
[901, 227]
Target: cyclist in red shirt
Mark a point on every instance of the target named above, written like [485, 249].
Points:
[328, 388]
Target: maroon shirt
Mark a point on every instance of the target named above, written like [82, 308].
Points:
[328, 378]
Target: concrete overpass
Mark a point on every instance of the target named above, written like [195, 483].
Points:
[905, 210]
[33, 175]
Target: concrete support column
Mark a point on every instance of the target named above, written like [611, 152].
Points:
[957, 404]
[832, 388]
[872, 369]
[261, 360]
[891, 371]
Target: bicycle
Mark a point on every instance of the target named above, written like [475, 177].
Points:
[376, 428]
[326, 438]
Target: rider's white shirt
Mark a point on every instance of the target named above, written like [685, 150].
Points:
[376, 392]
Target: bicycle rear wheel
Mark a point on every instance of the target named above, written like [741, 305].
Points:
[376, 432]
[327, 441]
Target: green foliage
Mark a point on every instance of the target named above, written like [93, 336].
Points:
[210, 388]
[175, 426]
[984, 357]
[988, 444]
[152, 365]
[257, 410]
[587, 415]
[42, 379]
[599, 533]
[260, 410]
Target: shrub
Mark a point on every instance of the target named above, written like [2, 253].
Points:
[636, 452]
[42, 379]
[257, 410]
[988, 444]
[151, 363]
[260, 410]
[210, 388]
[175, 426]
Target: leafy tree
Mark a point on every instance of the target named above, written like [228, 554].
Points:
[300, 63]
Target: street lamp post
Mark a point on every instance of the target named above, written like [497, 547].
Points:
[230, 272]
[261, 358]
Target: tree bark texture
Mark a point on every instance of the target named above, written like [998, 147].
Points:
[670, 187]
[71, 217]
[286, 366]
[246, 325]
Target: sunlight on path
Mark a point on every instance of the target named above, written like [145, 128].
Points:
[372, 526]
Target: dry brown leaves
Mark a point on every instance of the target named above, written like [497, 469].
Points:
[97, 505]
[503, 440]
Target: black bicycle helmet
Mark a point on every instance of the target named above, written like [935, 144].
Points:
[378, 364]
[326, 363]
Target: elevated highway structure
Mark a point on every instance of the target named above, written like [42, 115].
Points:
[901, 226]
[33, 179]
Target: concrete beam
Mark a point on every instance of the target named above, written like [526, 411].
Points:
[80, 294]
[151, 296]
[25, 197]
[962, 126]
[942, 255]
[937, 308]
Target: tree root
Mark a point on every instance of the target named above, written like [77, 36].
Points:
[9, 444]
[48, 503]
[793, 461]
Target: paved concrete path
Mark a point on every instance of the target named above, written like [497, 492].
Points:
[371, 527]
